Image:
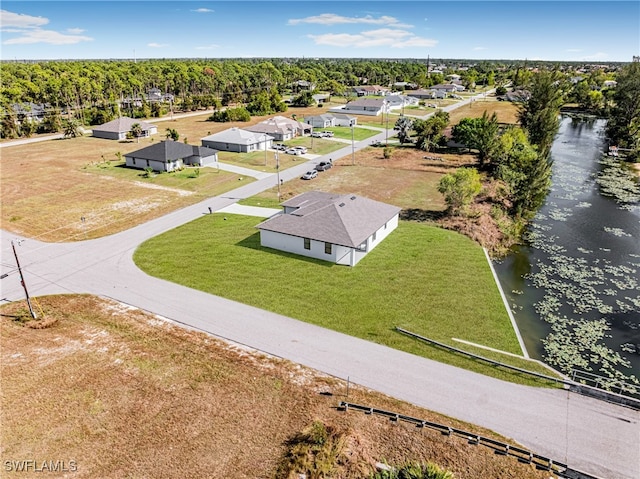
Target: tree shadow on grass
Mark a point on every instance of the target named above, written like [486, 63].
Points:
[253, 242]
[416, 214]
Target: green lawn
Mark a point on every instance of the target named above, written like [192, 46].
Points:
[205, 181]
[430, 281]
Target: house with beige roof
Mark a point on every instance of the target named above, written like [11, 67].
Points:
[341, 229]
[238, 140]
[119, 128]
[281, 128]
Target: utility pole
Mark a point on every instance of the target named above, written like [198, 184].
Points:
[278, 172]
[33, 313]
[353, 147]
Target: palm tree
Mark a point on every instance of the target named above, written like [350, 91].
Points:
[136, 130]
[71, 128]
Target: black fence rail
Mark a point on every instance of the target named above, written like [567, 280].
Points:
[522, 455]
[601, 382]
[588, 390]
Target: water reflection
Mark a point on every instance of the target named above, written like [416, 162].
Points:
[575, 287]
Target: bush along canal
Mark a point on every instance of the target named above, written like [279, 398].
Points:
[574, 285]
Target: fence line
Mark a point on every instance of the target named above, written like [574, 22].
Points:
[617, 398]
[523, 455]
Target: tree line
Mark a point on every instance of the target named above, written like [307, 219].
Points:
[94, 92]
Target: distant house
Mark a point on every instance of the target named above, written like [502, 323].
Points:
[330, 119]
[155, 95]
[302, 85]
[281, 128]
[29, 111]
[170, 155]
[338, 228]
[369, 90]
[238, 140]
[420, 94]
[610, 84]
[321, 121]
[395, 102]
[321, 98]
[119, 128]
[364, 106]
[445, 87]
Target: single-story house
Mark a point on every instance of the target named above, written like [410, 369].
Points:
[340, 119]
[446, 87]
[369, 90]
[395, 102]
[119, 128]
[420, 94]
[331, 119]
[155, 95]
[238, 140]
[320, 98]
[300, 85]
[321, 121]
[610, 84]
[169, 155]
[365, 106]
[338, 228]
[281, 128]
[30, 111]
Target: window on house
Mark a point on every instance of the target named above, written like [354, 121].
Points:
[134, 161]
[385, 226]
[307, 243]
[327, 248]
[147, 163]
[373, 238]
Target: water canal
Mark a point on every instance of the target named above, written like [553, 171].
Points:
[574, 286]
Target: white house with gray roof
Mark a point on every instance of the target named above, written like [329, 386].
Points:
[338, 228]
[238, 140]
[119, 128]
[170, 155]
[281, 128]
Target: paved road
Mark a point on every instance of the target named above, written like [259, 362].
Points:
[587, 434]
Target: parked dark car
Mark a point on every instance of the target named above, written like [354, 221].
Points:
[324, 165]
[309, 175]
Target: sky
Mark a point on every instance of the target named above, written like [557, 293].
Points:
[590, 31]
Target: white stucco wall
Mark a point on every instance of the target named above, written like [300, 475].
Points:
[339, 254]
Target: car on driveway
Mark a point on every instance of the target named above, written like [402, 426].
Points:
[328, 134]
[280, 146]
[293, 151]
[303, 149]
[309, 175]
[324, 165]
[317, 134]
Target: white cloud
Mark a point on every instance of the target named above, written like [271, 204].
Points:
[333, 19]
[46, 36]
[29, 31]
[157, 45]
[477, 49]
[10, 19]
[203, 10]
[374, 38]
[213, 46]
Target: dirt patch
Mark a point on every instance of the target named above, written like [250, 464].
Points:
[126, 394]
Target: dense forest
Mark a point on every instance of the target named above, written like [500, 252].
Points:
[94, 91]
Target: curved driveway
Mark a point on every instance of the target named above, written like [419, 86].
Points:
[587, 434]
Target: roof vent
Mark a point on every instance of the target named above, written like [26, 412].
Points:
[341, 205]
[353, 197]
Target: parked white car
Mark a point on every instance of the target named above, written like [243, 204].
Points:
[293, 151]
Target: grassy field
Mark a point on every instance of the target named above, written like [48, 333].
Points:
[506, 111]
[124, 394]
[427, 280]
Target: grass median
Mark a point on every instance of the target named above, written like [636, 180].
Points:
[427, 280]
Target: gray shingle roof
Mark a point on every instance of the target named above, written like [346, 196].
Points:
[123, 124]
[170, 150]
[237, 136]
[346, 220]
